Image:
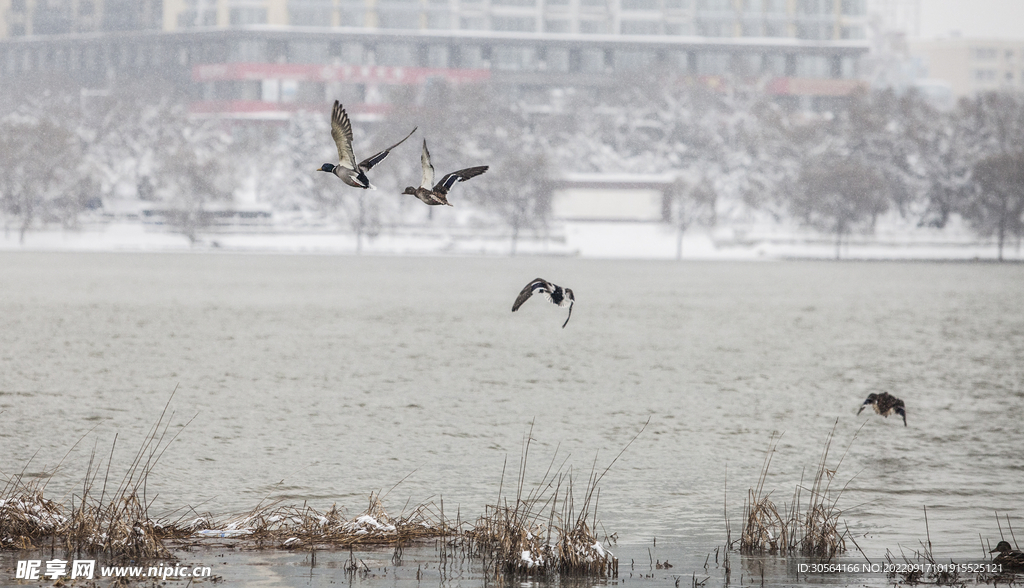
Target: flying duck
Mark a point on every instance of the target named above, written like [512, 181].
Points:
[1011, 559]
[885, 404]
[350, 173]
[556, 294]
[437, 194]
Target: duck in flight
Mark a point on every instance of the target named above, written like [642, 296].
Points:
[1011, 559]
[885, 404]
[437, 194]
[556, 294]
[352, 174]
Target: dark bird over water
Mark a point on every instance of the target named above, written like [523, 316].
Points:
[350, 173]
[885, 404]
[437, 194]
[556, 294]
[1011, 559]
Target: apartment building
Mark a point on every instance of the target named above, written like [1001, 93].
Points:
[251, 56]
[971, 66]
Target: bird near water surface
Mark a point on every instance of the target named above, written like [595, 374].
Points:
[885, 404]
[556, 294]
[351, 173]
[1011, 559]
[437, 194]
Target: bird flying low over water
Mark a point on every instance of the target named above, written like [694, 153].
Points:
[885, 404]
[1011, 559]
[437, 194]
[351, 173]
[556, 294]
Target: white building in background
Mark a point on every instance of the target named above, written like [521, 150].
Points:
[802, 19]
[971, 66]
[897, 15]
[263, 58]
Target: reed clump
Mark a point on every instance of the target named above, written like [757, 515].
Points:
[811, 530]
[292, 527]
[27, 518]
[542, 531]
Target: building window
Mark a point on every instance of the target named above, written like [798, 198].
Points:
[812, 66]
[472, 23]
[814, 30]
[437, 56]
[713, 63]
[714, 28]
[985, 53]
[677, 4]
[395, 54]
[594, 27]
[592, 60]
[307, 52]
[520, 24]
[398, 19]
[560, 25]
[639, 4]
[439, 21]
[640, 27]
[633, 60]
[471, 57]
[247, 16]
[854, 7]
[556, 59]
[678, 28]
[856, 32]
[714, 5]
[310, 17]
[814, 7]
[753, 28]
[513, 58]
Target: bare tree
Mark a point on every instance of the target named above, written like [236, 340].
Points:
[688, 204]
[998, 206]
[837, 194]
[519, 190]
[38, 175]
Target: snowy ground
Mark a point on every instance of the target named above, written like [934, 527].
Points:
[584, 239]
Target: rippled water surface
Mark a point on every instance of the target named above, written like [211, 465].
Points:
[322, 378]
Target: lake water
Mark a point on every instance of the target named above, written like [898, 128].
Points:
[323, 378]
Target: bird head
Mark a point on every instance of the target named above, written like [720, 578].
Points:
[568, 294]
[409, 190]
[327, 167]
[1002, 547]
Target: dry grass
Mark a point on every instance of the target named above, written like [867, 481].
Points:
[764, 530]
[543, 532]
[294, 527]
[116, 525]
[812, 531]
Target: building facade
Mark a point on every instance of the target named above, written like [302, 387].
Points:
[245, 57]
[971, 66]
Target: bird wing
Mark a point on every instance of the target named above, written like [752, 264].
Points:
[368, 163]
[870, 400]
[901, 410]
[538, 285]
[341, 132]
[428, 170]
[462, 175]
[568, 317]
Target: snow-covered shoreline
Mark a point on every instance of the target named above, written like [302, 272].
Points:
[584, 239]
